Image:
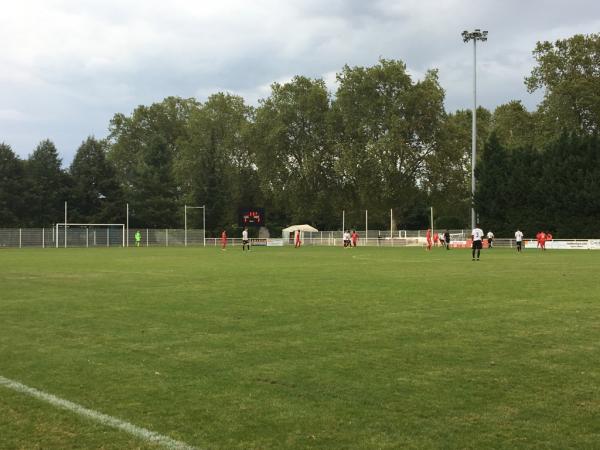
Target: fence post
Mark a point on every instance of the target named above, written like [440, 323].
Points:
[166, 237]
[19, 237]
[147, 238]
[107, 237]
[43, 242]
[87, 238]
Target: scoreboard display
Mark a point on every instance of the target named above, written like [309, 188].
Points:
[252, 217]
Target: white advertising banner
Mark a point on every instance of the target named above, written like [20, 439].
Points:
[274, 242]
[567, 244]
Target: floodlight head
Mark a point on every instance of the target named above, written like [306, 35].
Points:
[475, 35]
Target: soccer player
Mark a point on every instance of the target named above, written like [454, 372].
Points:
[354, 238]
[490, 239]
[138, 238]
[443, 239]
[436, 239]
[223, 240]
[346, 239]
[245, 241]
[542, 241]
[518, 239]
[297, 241]
[428, 236]
[447, 239]
[477, 236]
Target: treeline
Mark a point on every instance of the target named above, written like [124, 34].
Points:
[381, 141]
[557, 189]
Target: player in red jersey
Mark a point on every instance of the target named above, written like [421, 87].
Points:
[297, 241]
[354, 238]
[223, 240]
[428, 236]
[436, 239]
[542, 240]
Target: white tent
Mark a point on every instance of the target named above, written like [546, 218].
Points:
[288, 233]
[303, 228]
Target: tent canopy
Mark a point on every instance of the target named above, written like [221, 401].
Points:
[305, 228]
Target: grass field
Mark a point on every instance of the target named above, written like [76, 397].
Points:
[321, 348]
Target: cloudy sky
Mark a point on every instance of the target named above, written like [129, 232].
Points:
[67, 66]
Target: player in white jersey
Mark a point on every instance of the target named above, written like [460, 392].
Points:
[245, 241]
[477, 236]
[490, 238]
[518, 239]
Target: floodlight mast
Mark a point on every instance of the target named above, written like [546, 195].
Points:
[476, 35]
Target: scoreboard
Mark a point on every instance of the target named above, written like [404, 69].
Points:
[252, 217]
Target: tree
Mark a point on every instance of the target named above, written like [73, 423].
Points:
[214, 166]
[514, 125]
[95, 192]
[386, 131]
[48, 186]
[568, 71]
[492, 197]
[293, 152]
[143, 149]
[12, 187]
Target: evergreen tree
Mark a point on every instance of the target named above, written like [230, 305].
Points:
[12, 188]
[492, 197]
[95, 192]
[48, 186]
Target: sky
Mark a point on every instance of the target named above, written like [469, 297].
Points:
[67, 66]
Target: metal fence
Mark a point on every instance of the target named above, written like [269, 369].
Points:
[98, 237]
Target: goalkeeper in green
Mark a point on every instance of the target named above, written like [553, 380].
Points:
[138, 238]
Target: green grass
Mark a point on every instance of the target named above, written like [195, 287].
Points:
[319, 348]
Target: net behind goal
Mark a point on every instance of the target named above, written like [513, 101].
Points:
[90, 235]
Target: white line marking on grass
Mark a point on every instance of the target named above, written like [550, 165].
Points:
[104, 419]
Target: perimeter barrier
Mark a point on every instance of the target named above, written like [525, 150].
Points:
[103, 237]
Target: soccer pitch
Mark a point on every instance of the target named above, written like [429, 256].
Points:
[311, 348]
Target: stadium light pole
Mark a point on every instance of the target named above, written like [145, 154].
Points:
[475, 35]
[65, 224]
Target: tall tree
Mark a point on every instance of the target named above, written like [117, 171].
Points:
[293, 151]
[568, 71]
[214, 165]
[492, 197]
[386, 130]
[513, 125]
[95, 191]
[143, 149]
[48, 186]
[12, 188]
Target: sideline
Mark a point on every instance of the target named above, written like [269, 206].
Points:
[104, 419]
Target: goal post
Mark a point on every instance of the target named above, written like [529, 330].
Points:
[185, 226]
[102, 234]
